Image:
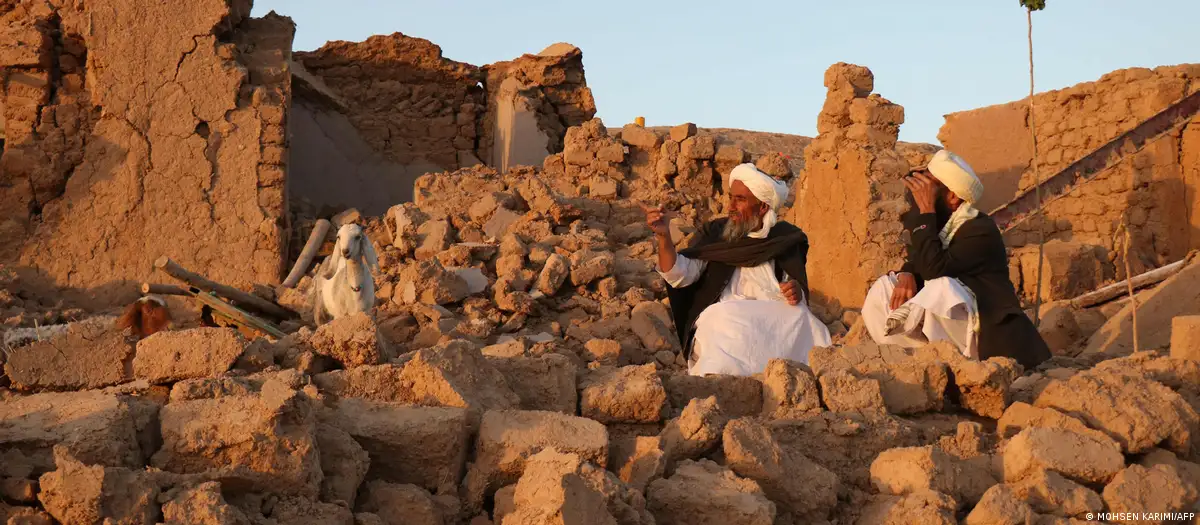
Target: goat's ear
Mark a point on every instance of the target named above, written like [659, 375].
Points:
[369, 255]
[131, 318]
[328, 267]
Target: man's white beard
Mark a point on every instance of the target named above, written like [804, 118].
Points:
[735, 229]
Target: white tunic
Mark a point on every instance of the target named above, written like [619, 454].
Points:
[944, 310]
[750, 324]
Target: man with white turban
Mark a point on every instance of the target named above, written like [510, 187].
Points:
[739, 293]
[954, 285]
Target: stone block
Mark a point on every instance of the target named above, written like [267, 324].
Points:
[424, 446]
[507, 438]
[630, 394]
[704, 493]
[456, 374]
[87, 354]
[682, 132]
[1135, 411]
[264, 442]
[1080, 457]
[789, 390]
[788, 477]
[170, 356]
[545, 383]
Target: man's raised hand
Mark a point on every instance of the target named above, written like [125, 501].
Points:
[656, 219]
[791, 290]
[924, 191]
[906, 288]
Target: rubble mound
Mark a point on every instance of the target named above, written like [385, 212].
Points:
[520, 365]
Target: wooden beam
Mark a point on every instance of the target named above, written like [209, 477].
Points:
[1115, 290]
[1025, 205]
[235, 314]
[162, 289]
[315, 240]
[253, 302]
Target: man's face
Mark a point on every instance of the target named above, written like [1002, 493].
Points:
[744, 207]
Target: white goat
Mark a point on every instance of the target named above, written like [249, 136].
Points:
[342, 286]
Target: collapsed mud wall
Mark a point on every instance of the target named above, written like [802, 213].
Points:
[119, 152]
[532, 100]
[375, 115]
[1155, 188]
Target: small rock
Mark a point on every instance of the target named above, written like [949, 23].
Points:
[397, 504]
[202, 504]
[789, 390]
[553, 275]
[696, 432]
[918, 507]
[1000, 505]
[1047, 492]
[604, 351]
[641, 463]
[352, 341]
[683, 131]
[842, 391]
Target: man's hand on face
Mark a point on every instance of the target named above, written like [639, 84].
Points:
[656, 219]
[906, 288]
[924, 191]
[791, 290]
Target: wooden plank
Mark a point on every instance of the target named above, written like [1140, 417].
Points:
[315, 240]
[253, 302]
[162, 289]
[1087, 168]
[1143, 280]
[235, 314]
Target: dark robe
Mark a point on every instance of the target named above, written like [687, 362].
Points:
[785, 244]
[977, 257]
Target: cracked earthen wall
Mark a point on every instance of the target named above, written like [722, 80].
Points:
[138, 129]
[371, 117]
[401, 110]
[850, 195]
[532, 101]
[1156, 187]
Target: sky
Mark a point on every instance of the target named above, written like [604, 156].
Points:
[759, 64]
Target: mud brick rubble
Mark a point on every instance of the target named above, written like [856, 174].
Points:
[520, 366]
[521, 369]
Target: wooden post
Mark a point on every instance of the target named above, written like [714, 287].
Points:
[162, 289]
[236, 314]
[315, 240]
[244, 299]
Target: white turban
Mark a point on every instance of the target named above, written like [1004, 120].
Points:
[765, 188]
[957, 175]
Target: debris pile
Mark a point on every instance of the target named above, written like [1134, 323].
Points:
[521, 368]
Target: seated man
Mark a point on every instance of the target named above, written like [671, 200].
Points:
[732, 313]
[957, 261]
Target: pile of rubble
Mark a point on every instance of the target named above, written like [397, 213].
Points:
[521, 368]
